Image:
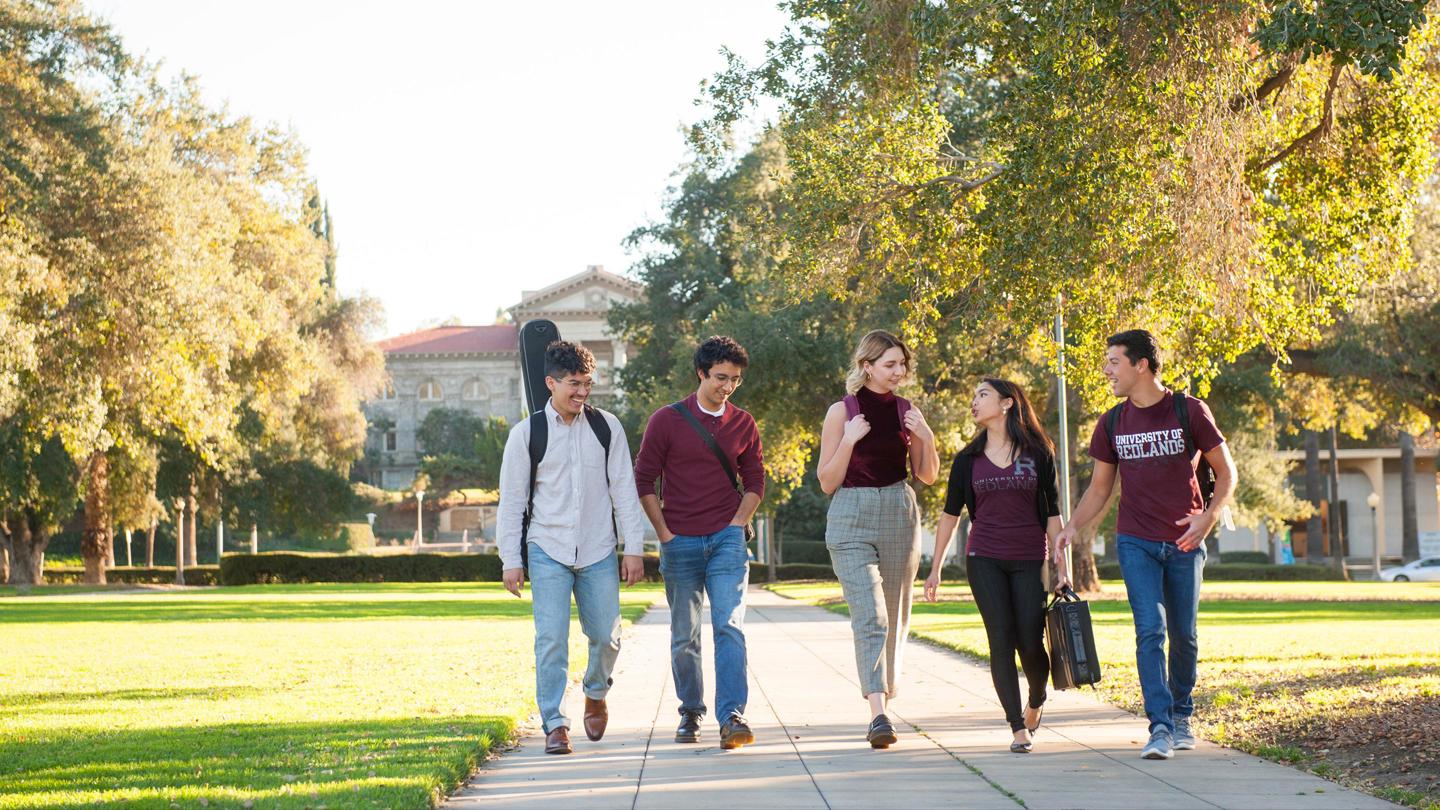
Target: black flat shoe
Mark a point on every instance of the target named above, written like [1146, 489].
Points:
[881, 733]
[1038, 718]
[689, 730]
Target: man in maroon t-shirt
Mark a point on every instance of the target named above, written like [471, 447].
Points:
[701, 526]
[1160, 536]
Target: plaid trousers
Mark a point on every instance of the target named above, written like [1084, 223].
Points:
[873, 536]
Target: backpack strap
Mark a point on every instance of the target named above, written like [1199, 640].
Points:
[1204, 473]
[710, 441]
[1111, 420]
[1182, 415]
[902, 406]
[600, 426]
[538, 443]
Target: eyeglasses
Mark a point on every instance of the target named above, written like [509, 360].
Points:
[726, 379]
[578, 385]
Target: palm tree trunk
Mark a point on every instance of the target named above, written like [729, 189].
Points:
[1409, 524]
[1313, 479]
[1337, 538]
[150, 544]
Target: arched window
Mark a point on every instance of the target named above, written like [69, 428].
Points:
[388, 392]
[476, 390]
[430, 389]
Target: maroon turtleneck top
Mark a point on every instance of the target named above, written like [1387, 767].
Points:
[878, 459]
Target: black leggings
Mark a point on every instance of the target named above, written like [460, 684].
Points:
[1011, 597]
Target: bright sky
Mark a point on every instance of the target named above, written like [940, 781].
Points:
[468, 150]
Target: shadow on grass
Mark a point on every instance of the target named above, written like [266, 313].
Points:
[393, 763]
[181, 609]
[1235, 612]
[72, 703]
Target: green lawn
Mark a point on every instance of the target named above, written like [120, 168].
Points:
[1340, 678]
[265, 696]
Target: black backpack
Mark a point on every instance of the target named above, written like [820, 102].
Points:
[539, 443]
[1204, 473]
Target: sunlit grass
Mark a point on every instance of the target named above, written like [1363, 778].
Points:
[1325, 674]
[280, 696]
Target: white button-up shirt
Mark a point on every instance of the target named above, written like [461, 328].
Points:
[571, 522]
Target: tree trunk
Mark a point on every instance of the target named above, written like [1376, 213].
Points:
[1337, 539]
[4, 551]
[95, 538]
[1313, 479]
[179, 541]
[1409, 524]
[27, 552]
[110, 551]
[150, 544]
[1084, 573]
[192, 518]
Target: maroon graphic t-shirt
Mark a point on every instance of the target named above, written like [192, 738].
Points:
[1157, 481]
[1006, 526]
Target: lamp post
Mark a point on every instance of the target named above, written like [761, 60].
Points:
[419, 517]
[1373, 500]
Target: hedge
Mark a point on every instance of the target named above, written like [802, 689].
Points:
[293, 567]
[159, 575]
[1249, 572]
[1248, 557]
[804, 552]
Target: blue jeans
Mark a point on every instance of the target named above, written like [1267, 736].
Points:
[597, 596]
[1163, 584]
[718, 565]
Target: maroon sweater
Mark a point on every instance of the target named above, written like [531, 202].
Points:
[697, 496]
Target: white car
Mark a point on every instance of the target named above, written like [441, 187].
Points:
[1425, 569]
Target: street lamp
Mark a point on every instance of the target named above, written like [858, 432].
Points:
[419, 517]
[1373, 500]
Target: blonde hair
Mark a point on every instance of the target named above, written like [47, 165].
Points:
[871, 347]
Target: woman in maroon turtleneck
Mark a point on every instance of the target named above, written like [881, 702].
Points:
[873, 527]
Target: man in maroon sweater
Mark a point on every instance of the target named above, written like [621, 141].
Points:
[701, 525]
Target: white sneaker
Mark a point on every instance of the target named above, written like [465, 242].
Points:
[1184, 740]
[1160, 746]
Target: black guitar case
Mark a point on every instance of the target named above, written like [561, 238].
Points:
[534, 337]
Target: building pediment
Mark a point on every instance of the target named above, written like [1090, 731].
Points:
[592, 291]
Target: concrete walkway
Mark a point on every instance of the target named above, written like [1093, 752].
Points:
[809, 721]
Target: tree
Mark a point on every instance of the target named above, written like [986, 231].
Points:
[37, 494]
[168, 278]
[463, 450]
[1233, 175]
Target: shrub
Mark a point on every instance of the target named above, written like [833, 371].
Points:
[159, 575]
[291, 567]
[356, 536]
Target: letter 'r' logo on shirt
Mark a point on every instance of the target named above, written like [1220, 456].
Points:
[1025, 466]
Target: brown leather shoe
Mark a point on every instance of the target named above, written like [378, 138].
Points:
[558, 741]
[596, 716]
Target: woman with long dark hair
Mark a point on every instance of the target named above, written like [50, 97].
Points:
[1005, 477]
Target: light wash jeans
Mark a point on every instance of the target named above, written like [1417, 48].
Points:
[1163, 585]
[694, 566]
[597, 596]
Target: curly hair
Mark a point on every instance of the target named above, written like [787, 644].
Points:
[720, 349]
[563, 357]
